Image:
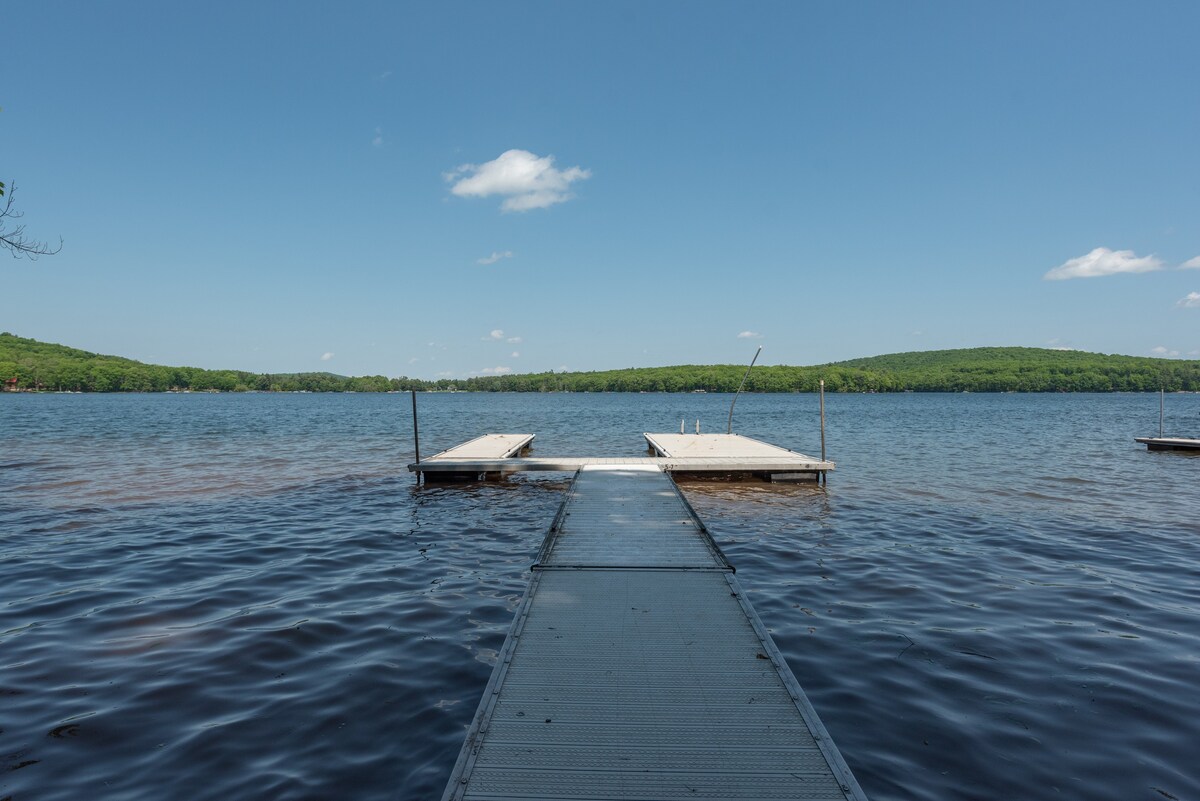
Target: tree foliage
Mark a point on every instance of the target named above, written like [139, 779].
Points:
[41, 365]
[44, 366]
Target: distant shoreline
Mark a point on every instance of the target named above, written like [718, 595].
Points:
[27, 365]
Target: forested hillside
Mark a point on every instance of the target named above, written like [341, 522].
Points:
[45, 366]
[56, 367]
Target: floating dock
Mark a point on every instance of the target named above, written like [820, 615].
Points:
[696, 455]
[636, 669]
[1169, 443]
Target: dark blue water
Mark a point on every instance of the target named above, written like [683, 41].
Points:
[246, 597]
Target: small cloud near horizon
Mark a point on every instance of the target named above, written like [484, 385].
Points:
[1102, 261]
[1191, 264]
[513, 340]
[495, 335]
[496, 370]
[495, 257]
[1162, 351]
[326, 356]
[749, 335]
[1192, 301]
[525, 181]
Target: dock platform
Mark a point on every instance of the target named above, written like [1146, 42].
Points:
[635, 668]
[695, 455]
[1169, 443]
[486, 449]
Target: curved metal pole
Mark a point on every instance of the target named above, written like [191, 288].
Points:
[729, 427]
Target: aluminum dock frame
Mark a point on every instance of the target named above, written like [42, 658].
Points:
[636, 669]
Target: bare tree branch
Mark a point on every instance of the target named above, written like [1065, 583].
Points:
[12, 235]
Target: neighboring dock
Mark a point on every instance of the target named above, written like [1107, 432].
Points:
[635, 668]
[1169, 443]
[697, 455]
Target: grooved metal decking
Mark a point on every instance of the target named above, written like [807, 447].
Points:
[636, 669]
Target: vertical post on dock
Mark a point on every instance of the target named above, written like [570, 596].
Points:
[416, 434]
[1161, 393]
[823, 479]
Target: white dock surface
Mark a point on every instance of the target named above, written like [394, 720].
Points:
[486, 446]
[636, 670]
[700, 446]
[682, 453]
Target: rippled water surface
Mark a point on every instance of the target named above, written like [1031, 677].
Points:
[247, 596]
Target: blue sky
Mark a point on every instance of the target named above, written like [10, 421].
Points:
[303, 186]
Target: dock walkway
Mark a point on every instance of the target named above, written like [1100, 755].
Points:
[636, 669]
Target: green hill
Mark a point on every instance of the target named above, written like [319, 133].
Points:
[1028, 370]
[973, 369]
[48, 367]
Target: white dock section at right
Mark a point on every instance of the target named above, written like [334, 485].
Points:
[636, 669]
[707, 446]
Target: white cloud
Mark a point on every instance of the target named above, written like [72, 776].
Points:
[1192, 301]
[378, 140]
[326, 356]
[1161, 351]
[749, 335]
[495, 335]
[1103, 261]
[414, 360]
[516, 354]
[496, 370]
[495, 257]
[513, 340]
[526, 181]
[1191, 264]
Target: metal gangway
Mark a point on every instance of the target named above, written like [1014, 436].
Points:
[635, 668]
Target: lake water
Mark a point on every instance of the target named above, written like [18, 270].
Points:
[247, 596]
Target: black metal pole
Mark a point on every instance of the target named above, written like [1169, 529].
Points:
[416, 434]
[823, 474]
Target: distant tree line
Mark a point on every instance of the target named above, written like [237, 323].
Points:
[26, 364]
